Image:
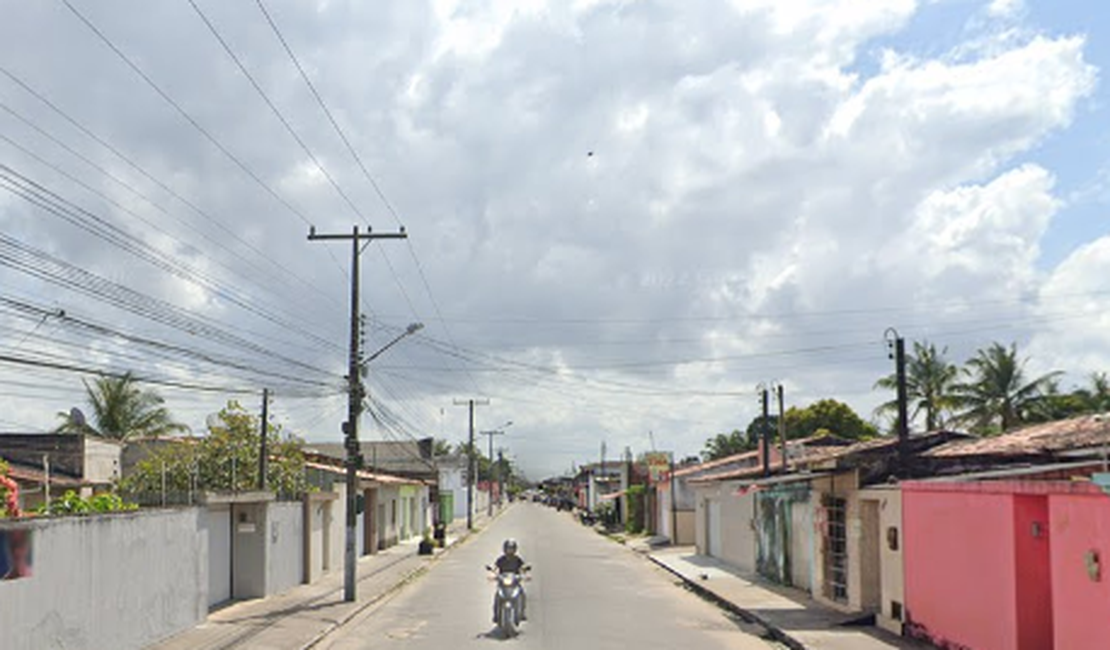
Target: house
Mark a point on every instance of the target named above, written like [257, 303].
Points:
[722, 507]
[390, 508]
[598, 483]
[67, 461]
[1012, 555]
[820, 526]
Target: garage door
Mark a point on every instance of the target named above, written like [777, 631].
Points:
[218, 528]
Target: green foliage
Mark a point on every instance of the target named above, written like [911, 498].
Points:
[122, 411]
[636, 520]
[441, 447]
[72, 503]
[998, 392]
[930, 386]
[224, 460]
[829, 415]
[728, 444]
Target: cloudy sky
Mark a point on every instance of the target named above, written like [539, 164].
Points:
[623, 216]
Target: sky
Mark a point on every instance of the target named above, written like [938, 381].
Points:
[623, 217]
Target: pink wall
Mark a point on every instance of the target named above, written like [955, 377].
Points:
[1033, 572]
[959, 568]
[1080, 523]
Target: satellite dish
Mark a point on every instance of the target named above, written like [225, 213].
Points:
[213, 421]
[77, 418]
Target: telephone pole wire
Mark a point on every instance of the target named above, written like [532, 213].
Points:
[355, 393]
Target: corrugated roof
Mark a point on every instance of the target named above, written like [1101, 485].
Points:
[818, 455]
[1037, 439]
[832, 441]
[27, 474]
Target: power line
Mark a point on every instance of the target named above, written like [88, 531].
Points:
[366, 173]
[158, 182]
[185, 114]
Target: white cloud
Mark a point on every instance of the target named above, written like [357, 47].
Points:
[744, 164]
[1005, 8]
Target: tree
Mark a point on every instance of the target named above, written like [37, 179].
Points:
[930, 386]
[224, 460]
[829, 416]
[997, 395]
[728, 444]
[121, 410]
[1097, 397]
[441, 447]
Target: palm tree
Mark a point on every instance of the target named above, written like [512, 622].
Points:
[998, 392]
[1097, 397]
[930, 383]
[122, 411]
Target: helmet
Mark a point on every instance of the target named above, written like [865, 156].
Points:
[509, 546]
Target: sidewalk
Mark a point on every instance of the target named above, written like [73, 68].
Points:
[790, 615]
[298, 618]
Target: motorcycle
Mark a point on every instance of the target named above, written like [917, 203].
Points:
[508, 601]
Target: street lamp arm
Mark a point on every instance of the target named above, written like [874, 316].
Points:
[411, 329]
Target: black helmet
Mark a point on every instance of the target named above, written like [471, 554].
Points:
[509, 546]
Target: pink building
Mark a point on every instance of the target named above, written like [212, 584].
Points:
[1007, 564]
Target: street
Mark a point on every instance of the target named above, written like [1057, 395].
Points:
[586, 592]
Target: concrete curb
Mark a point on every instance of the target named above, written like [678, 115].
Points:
[774, 632]
[406, 579]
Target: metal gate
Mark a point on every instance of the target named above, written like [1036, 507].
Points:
[835, 546]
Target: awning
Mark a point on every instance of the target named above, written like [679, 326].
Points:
[760, 484]
[611, 496]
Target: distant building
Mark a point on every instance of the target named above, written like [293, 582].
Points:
[67, 461]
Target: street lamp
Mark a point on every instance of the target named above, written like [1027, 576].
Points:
[413, 328]
[499, 431]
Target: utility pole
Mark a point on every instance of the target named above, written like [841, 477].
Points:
[898, 345]
[263, 452]
[355, 393]
[471, 469]
[782, 426]
[765, 448]
[490, 435]
[500, 475]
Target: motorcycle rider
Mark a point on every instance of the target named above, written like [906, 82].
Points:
[511, 562]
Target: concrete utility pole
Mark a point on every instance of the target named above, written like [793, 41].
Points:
[355, 394]
[500, 431]
[898, 345]
[471, 469]
[782, 426]
[263, 452]
[765, 448]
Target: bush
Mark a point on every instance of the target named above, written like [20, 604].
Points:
[72, 503]
[635, 495]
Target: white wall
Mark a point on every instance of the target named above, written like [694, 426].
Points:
[285, 522]
[216, 530]
[102, 460]
[113, 581]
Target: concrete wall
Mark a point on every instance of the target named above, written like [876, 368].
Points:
[113, 581]
[285, 562]
[737, 540]
[1080, 532]
[216, 529]
[891, 579]
[960, 561]
[102, 460]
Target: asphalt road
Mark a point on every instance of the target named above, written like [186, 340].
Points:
[587, 593]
